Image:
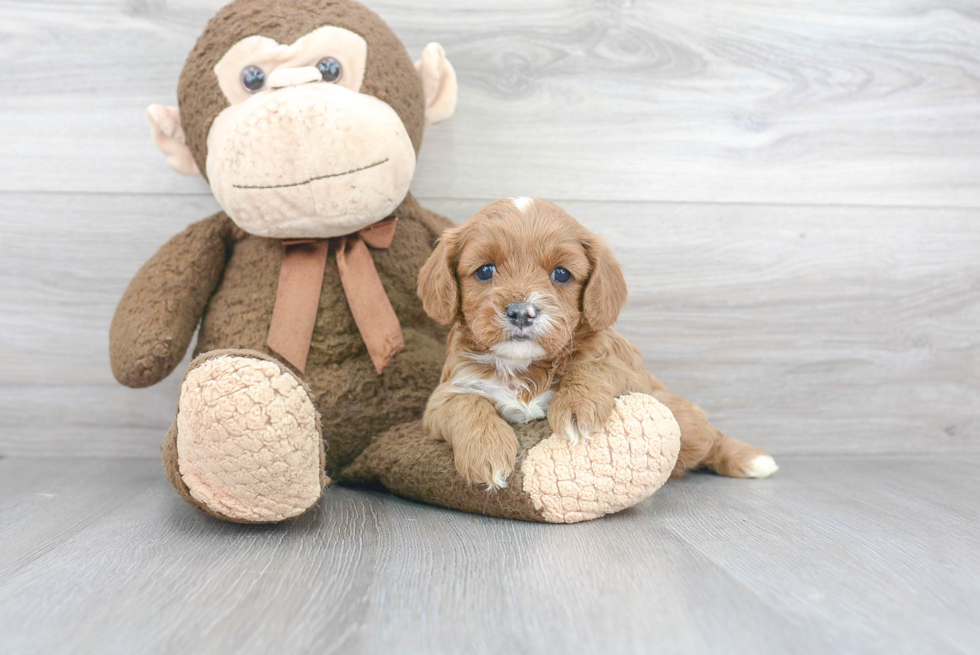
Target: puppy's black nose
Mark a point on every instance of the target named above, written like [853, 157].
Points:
[521, 314]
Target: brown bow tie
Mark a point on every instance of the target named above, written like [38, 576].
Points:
[298, 295]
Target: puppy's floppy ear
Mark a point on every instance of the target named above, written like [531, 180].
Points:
[438, 288]
[605, 290]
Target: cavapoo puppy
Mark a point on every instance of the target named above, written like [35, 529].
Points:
[532, 296]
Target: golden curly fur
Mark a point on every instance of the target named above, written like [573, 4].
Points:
[532, 296]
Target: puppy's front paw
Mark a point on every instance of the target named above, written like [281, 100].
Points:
[486, 455]
[576, 413]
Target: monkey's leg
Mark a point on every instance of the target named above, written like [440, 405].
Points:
[554, 481]
[246, 444]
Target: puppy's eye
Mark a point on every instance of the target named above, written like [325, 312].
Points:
[560, 275]
[253, 79]
[330, 69]
[485, 272]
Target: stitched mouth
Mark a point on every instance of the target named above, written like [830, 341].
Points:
[312, 179]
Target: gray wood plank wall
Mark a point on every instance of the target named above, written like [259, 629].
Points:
[794, 189]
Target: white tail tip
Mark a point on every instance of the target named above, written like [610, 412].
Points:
[761, 467]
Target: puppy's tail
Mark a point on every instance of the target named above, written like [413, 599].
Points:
[737, 459]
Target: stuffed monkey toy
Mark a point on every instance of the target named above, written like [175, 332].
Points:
[314, 356]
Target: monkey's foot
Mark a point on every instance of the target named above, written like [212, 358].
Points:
[553, 482]
[247, 445]
[625, 463]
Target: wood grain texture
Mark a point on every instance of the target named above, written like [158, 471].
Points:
[734, 101]
[46, 502]
[856, 554]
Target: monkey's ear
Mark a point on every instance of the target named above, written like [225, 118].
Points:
[438, 288]
[168, 134]
[605, 290]
[438, 83]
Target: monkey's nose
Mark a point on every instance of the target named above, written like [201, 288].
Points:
[283, 77]
[521, 314]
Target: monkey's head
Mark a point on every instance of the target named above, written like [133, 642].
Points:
[305, 116]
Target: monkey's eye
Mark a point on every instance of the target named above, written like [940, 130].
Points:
[330, 69]
[253, 79]
[560, 275]
[485, 272]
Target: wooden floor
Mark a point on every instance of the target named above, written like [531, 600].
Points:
[833, 554]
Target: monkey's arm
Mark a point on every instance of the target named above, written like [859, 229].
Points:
[157, 316]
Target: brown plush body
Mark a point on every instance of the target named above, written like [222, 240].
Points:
[226, 279]
[306, 117]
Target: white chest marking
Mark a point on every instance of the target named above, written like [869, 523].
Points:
[518, 411]
[503, 391]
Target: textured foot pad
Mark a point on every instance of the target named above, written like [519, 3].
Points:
[630, 459]
[248, 445]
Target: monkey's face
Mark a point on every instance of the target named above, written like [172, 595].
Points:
[300, 152]
[305, 116]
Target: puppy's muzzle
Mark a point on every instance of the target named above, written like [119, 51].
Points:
[521, 315]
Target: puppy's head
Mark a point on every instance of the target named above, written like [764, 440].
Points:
[523, 278]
